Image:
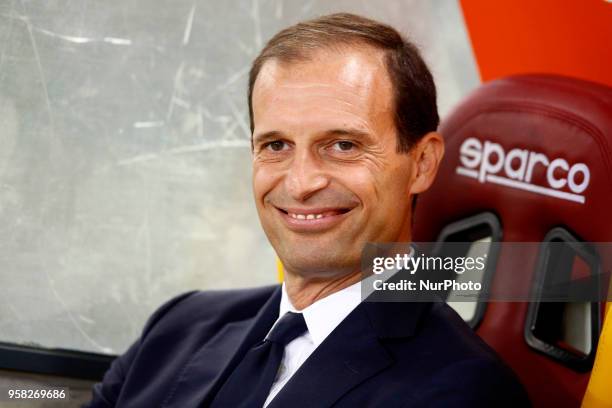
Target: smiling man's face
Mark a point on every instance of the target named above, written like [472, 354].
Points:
[327, 176]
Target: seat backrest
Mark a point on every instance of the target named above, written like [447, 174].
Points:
[536, 152]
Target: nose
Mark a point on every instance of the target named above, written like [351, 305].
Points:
[305, 175]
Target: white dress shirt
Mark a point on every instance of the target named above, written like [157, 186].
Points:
[322, 317]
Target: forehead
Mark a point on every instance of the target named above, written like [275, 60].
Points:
[350, 83]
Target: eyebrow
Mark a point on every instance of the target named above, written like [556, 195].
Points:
[356, 133]
[267, 136]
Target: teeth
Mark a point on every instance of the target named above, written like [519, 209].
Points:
[306, 216]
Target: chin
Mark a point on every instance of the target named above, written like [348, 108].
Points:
[319, 260]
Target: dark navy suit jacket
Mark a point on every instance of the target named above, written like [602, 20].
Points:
[381, 355]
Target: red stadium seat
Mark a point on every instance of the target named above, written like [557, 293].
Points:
[555, 136]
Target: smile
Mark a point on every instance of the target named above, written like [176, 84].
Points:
[312, 216]
[312, 220]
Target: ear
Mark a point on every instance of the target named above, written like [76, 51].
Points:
[427, 155]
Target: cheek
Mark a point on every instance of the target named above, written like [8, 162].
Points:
[362, 182]
[260, 182]
[392, 188]
[264, 179]
[397, 201]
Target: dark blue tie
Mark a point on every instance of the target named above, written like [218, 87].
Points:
[249, 384]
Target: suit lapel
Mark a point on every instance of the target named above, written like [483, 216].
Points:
[347, 357]
[202, 376]
[351, 354]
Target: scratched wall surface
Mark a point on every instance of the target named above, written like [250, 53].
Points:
[124, 153]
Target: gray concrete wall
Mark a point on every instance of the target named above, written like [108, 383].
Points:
[124, 153]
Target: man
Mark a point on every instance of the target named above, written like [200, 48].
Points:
[343, 115]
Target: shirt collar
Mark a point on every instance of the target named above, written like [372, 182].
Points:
[324, 315]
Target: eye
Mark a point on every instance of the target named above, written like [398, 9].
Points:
[275, 146]
[343, 145]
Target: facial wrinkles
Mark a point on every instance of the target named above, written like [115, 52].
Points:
[317, 94]
[326, 198]
[355, 80]
[315, 113]
[307, 99]
[369, 155]
[373, 156]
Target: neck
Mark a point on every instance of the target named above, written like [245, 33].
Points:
[303, 292]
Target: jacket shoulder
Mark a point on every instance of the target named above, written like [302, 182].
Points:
[465, 371]
[201, 306]
[172, 335]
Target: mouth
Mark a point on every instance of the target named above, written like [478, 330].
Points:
[313, 219]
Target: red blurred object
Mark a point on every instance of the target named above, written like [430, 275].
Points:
[562, 118]
[572, 38]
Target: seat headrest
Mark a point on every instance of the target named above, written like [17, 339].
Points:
[536, 150]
